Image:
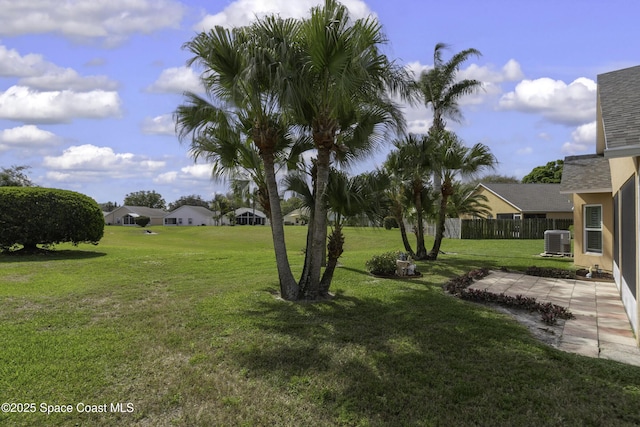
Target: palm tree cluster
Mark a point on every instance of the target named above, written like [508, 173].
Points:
[281, 88]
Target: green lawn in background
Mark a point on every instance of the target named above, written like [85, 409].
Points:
[184, 326]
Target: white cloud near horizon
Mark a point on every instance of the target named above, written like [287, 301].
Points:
[242, 12]
[109, 20]
[177, 80]
[89, 162]
[569, 104]
[198, 172]
[23, 104]
[583, 139]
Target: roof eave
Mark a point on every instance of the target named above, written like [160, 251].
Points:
[626, 151]
[587, 190]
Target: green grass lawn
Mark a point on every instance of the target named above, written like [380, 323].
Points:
[184, 327]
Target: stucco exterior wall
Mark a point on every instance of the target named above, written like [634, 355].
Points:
[586, 260]
[559, 215]
[496, 205]
[621, 170]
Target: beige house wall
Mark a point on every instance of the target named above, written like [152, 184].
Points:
[495, 204]
[559, 215]
[622, 169]
[586, 260]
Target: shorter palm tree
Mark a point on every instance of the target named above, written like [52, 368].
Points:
[452, 158]
[411, 166]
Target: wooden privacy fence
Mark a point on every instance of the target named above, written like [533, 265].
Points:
[511, 228]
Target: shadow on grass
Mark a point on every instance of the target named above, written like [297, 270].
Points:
[420, 357]
[49, 255]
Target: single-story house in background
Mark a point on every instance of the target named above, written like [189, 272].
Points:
[524, 201]
[587, 179]
[126, 215]
[615, 213]
[190, 215]
[298, 216]
[250, 216]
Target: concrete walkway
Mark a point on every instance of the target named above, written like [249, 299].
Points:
[601, 327]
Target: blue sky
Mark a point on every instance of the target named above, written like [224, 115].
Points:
[87, 89]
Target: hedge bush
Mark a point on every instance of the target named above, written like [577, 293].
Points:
[31, 216]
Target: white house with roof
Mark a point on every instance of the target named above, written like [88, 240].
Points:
[189, 215]
[126, 215]
[250, 216]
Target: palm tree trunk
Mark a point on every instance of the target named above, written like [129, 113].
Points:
[421, 250]
[288, 285]
[403, 233]
[312, 284]
[440, 228]
[335, 249]
[304, 277]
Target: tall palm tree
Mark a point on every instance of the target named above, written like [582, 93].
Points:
[452, 158]
[340, 94]
[441, 90]
[243, 87]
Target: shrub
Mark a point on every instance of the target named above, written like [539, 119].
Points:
[31, 216]
[142, 221]
[384, 264]
[390, 222]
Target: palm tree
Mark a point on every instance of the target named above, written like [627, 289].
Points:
[340, 94]
[397, 198]
[243, 86]
[349, 197]
[464, 201]
[441, 90]
[411, 163]
[452, 158]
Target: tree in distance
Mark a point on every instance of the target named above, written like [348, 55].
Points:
[15, 177]
[150, 199]
[191, 200]
[551, 173]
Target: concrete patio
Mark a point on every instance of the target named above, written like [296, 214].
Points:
[600, 328]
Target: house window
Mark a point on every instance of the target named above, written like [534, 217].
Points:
[593, 229]
[169, 221]
[179, 221]
[190, 221]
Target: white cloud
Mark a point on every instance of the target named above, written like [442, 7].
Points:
[21, 103]
[159, 125]
[198, 171]
[89, 162]
[524, 151]
[558, 102]
[35, 72]
[243, 12]
[26, 138]
[177, 80]
[69, 79]
[110, 20]
[166, 178]
[583, 139]
[12, 64]
[194, 173]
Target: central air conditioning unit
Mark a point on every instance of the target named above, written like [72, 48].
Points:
[557, 242]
